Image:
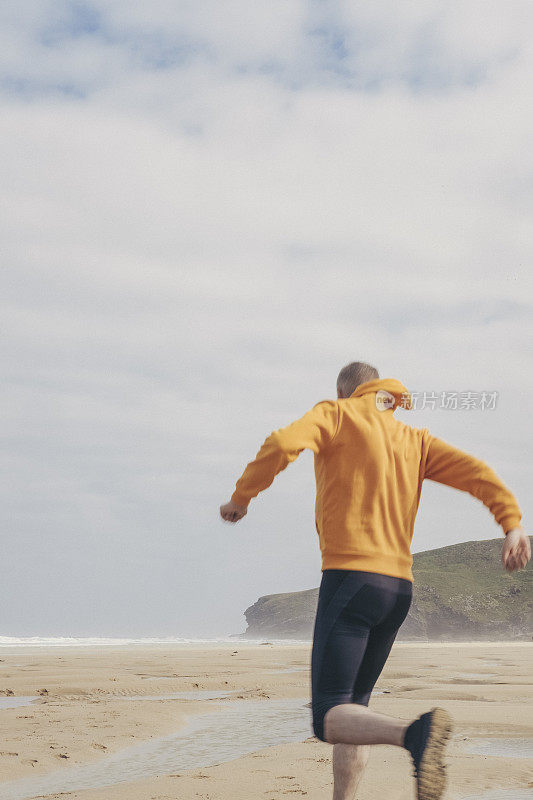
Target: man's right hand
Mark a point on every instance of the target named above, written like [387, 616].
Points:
[231, 512]
[516, 551]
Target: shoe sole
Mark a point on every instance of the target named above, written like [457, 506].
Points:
[431, 771]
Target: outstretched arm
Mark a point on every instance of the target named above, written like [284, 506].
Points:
[447, 464]
[315, 430]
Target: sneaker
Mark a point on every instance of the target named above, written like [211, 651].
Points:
[426, 739]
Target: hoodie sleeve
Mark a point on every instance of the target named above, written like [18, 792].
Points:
[447, 464]
[315, 430]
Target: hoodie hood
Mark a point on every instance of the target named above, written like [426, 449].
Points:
[392, 392]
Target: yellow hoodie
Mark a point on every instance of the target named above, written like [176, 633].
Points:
[369, 468]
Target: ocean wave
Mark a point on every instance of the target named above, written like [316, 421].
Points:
[96, 641]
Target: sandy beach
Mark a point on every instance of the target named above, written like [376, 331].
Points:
[93, 704]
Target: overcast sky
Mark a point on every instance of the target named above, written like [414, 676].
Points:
[208, 209]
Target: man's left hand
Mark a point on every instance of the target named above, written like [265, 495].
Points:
[231, 512]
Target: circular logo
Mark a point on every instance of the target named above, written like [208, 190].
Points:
[384, 400]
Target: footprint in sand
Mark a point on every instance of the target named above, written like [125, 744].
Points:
[98, 746]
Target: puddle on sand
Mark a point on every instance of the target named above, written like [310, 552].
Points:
[290, 669]
[12, 701]
[501, 794]
[202, 742]
[508, 747]
[475, 675]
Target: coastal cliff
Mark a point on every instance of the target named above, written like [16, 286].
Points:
[461, 592]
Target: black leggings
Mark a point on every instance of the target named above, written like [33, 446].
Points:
[357, 619]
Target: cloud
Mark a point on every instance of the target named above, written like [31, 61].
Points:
[205, 215]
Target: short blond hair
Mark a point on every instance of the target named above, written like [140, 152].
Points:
[352, 375]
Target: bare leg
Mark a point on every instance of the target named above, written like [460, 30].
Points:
[349, 762]
[351, 723]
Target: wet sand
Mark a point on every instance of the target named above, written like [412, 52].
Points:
[83, 714]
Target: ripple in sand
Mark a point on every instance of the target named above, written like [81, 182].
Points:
[194, 694]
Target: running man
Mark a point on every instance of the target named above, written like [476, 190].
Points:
[369, 469]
